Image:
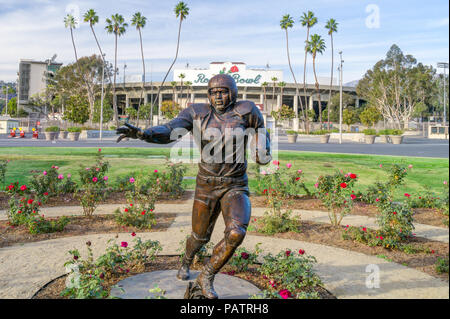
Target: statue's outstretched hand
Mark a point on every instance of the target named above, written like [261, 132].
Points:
[128, 131]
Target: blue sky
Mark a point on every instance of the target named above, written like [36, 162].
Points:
[246, 31]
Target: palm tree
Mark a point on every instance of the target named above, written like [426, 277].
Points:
[117, 26]
[332, 27]
[274, 80]
[181, 77]
[174, 88]
[264, 86]
[181, 11]
[71, 23]
[282, 85]
[189, 92]
[139, 21]
[308, 20]
[92, 17]
[314, 46]
[286, 23]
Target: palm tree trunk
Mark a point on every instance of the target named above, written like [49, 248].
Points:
[181, 92]
[176, 56]
[304, 79]
[293, 75]
[318, 92]
[331, 82]
[116, 117]
[143, 80]
[273, 96]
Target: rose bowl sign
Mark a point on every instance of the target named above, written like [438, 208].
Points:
[238, 70]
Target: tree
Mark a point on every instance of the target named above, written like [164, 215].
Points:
[395, 85]
[139, 22]
[188, 88]
[71, 23]
[169, 109]
[284, 113]
[174, 90]
[274, 82]
[331, 26]
[370, 116]
[181, 11]
[349, 117]
[333, 105]
[316, 45]
[308, 20]
[264, 86]
[286, 23]
[282, 85]
[108, 113]
[117, 26]
[77, 109]
[181, 77]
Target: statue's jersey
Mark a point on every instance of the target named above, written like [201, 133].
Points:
[222, 137]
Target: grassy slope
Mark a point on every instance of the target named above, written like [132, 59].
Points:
[426, 172]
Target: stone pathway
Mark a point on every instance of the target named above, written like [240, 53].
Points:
[27, 267]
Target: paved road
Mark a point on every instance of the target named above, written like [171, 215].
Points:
[412, 146]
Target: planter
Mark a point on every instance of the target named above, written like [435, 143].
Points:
[292, 138]
[63, 134]
[50, 136]
[74, 136]
[384, 139]
[369, 139]
[324, 138]
[396, 139]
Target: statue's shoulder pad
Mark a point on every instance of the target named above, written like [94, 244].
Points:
[200, 108]
[244, 107]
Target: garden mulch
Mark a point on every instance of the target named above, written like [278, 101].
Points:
[427, 216]
[53, 289]
[79, 225]
[329, 235]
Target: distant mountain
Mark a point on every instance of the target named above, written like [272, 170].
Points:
[352, 83]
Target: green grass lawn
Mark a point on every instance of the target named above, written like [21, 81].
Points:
[427, 173]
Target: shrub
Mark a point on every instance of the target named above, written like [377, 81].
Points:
[94, 181]
[384, 132]
[291, 132]
[335, 193]
[52, 182]
[370, 131]
[396, 132]
[87, 276]
[141, 203]
[320, 132]
[74, 129]
[52, 129]
[442, 265]
[23, 204]
[289, 272]
[243, 258]
[3, 165]
[40, 225]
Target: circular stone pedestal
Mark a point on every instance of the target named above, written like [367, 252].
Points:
[137, 287]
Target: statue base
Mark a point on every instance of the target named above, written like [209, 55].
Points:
[138, 286]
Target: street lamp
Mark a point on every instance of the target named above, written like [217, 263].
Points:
[340, 98]
[444, 65]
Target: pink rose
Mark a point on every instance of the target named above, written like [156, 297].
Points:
[124, 244]
[94, 179]
[132, 180]
[44, 172]
[105, 178]
[69, 175]
[60, 176]
[316, 185]
[285, 294]
[299, 171]
[288, 165]
[263, 173]
[156, 171]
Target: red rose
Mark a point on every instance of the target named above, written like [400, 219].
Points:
[407, 195]
[30, 201]
[353, 196]
[297, 178]
[343, 185]
[395, 213]
[244, 255]
[124, 244]
[301, 251]
[143, 212]
[364, 229]
[288, 253]
[276, 163]
[352, 176]
[133, 234]
[23, 187]
[75, 257]
[285, 294]
[46, 193]
[126, 210]
[264, 191]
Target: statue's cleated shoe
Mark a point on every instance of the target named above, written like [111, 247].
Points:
[205, 281]
[183, 272]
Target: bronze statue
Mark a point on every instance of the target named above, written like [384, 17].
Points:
[222, 183]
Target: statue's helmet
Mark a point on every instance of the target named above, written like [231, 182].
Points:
[224, 81]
